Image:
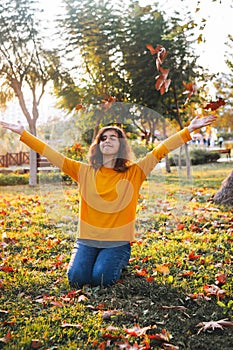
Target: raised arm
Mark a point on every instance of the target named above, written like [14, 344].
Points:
[173, 142]
[68, 166]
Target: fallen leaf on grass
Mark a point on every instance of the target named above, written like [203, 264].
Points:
[72, 325]
[214, 290]
[214, 325]
[137, 331]
[6, 338]
[221, 279]
[167, 346]
[36, 344]
[179, 307]
[108, 314]
[163, 269]
[3, 312]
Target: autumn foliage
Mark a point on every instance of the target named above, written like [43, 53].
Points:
[177, 287]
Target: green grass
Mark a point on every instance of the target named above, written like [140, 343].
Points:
[184, 243]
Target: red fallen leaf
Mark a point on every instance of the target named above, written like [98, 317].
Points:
[6, 338]
[3, 212]
[9, 240]
[197, 296]
[146, 259]
[142, 272]
[36, 344]
[164, 336]
[213, 105]
[111, 336]
[6, 268]
[214, 290]
[136, 331]
[192, 256]
[150, 279]
[56, 303]
[186, 273]
[180, 226]
[220, 279]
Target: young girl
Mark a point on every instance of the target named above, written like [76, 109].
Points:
[109, 188]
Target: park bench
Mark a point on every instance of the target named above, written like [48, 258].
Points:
[222, 151]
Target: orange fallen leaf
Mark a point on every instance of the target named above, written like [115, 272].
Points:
[163, 269]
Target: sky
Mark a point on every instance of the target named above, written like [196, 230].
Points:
[218, 15]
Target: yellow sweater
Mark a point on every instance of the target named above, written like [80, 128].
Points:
[108, 198]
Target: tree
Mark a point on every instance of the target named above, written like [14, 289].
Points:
[26, 67]
[111, 40]
[225, 194]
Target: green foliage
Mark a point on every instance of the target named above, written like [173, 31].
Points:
[111, 39]
[13, 179]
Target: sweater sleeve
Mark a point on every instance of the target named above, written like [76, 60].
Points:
[68, 166]
[170, 144]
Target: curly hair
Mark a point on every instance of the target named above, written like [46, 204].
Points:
[124, 156]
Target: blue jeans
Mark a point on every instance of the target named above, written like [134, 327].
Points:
[97, 266]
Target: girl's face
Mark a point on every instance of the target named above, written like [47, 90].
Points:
[109, 143]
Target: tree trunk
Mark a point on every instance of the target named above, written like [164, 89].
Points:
[167, 163]
[16, 85]
[225, 193]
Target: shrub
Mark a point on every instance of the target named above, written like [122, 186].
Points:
[43, 178]
[197, 156]
[13, 179]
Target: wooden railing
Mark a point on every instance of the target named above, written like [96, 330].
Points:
[10, 159]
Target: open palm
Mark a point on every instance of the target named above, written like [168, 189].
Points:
[17, 128]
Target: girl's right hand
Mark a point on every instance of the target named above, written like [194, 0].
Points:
[17, 128]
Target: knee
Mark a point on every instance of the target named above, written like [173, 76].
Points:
[74, 278]
[103, 277]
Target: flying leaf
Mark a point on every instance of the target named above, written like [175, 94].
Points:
[213, 105]
[79, 107]
[190, 89]
[108, 101]
[162, 83]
